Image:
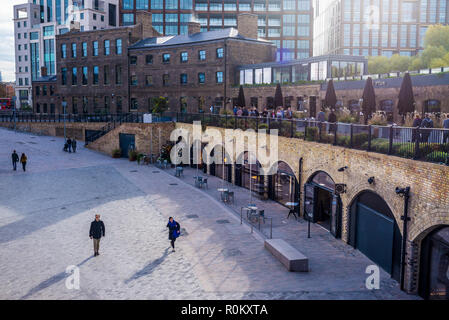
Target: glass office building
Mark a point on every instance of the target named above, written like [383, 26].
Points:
[375, 27]
[288, 23]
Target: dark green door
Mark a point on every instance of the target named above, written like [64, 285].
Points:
[127, 142]
[374, 236]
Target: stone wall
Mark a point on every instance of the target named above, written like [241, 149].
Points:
[149, 137]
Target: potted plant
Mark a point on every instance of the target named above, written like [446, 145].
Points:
[132, 155]
[116, 153]
[140, 157]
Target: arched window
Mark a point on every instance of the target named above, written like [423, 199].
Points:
[432, 105]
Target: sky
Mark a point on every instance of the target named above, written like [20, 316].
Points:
[7, 38]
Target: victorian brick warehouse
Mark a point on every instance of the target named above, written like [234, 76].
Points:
[123, 69]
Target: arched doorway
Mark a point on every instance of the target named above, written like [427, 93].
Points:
[434, 266]
[321, 204]
[220, 166]
[387, 107]
[432, 106]
[248, 173]
[374, 232]
[283, 186]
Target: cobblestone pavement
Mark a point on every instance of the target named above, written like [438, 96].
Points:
[46, 211]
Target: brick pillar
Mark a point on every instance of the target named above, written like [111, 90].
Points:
[247, 25]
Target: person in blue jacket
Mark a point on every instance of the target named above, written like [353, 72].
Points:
[173, 231]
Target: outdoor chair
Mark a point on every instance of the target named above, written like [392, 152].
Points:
[205, 183]
[262, 215]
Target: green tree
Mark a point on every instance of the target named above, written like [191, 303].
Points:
[160, 104]
[437, 36]
[379, 64]
[399, 63]
[430, 53]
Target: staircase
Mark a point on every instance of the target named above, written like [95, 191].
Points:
[130, 117]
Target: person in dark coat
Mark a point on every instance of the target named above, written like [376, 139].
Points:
[15, 159]
[74, 145]
[173, 231]
[97, 230]
[426, 123]
[416, 124]
[23, 161]
[69, 144]
[332, 119]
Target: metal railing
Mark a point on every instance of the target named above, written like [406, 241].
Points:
[426, 144]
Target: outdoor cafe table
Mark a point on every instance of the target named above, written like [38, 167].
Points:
[292, 209]
[198, 181]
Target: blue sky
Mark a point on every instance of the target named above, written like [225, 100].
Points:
[7, 38]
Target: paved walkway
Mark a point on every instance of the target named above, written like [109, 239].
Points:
[45, 215]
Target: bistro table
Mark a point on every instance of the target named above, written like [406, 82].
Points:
[198, 181]
[224, 194]
[293, 205]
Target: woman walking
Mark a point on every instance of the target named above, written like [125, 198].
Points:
[173, 231]
[23, 161]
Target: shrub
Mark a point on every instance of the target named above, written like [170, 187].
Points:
[438, 156]
[378, 145]
[343, 140]
[116, 153]
[263, 126]
[359, 139]
[406, 150]
[347, 119]
[312, 133]
[132, 155]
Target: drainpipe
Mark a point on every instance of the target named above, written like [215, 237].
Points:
[405, 218]
[225, 74]
[299, 185]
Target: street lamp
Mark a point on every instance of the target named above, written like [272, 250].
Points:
[64, 105]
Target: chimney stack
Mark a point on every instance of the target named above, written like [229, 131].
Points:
[43, 71]
[247, 25]
[75, 26]
[193, 27]
[145, 19]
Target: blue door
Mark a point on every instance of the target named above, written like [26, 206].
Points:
[127, 142]
[374, 236]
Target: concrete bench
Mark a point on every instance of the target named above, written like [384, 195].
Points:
[291, 258]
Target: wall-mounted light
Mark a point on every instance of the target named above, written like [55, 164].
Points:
[371, 180]
[342, 169]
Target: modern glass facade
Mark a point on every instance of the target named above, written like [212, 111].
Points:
[288, 23]
[375, 27]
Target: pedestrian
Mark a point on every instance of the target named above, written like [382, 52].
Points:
[23, 161]
[69, 144]
[74, 145]
[289, 113]
[332, 119]
[321, 117]
[239, 112]
[235, 110]
[446, 132]
[426, 123]
[97, 230]
[173, 231]
[245, 112]
[416, 124]
[15, 159]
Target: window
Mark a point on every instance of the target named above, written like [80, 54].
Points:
[75, 105]
[85, 104]
[148, 80]
[38, 90]
[133, 60]
[106, 104]
[85, 75]
[134, 80]
[38, 108]
[201, 77]
[84, 52]
[74, 77]
[63, 51]
[45, 108]
[183, 78]
[142, 4]
[186, 4]
[73, 50]
[34, 35]
[44, 90]
[202, 55]
[118, 74]
[96, 72]
[118, 46]
[134, 104]
[149, 59]
[19, 36]
[128, 4]
[220, 53]
[157, 4]
[106, 75]
[165, 80]
[128, 19]
[184, 56]
[48, 31]
[95, 48]
[166, 58]
[219, 76]
[119, 104]
[64, 76]
[107, 49]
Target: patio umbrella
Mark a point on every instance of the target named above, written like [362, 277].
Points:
[369, 99]
[330, 99]
[241, 98]
[278, 99]
[406, 103]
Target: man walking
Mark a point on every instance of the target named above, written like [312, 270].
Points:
[173, 231]
[23, 161]
[416, 124]
[446, 132]
[426, 123]
[15, 159]
[69, 143]
[96, 231]
[74, 145]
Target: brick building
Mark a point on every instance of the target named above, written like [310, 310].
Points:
[197, 70]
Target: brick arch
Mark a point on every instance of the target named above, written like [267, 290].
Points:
[295, 172]
[423, 226]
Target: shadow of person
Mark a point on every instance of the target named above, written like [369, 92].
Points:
[149, 268]
[51, 281]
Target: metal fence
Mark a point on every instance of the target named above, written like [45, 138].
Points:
[426, 144]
